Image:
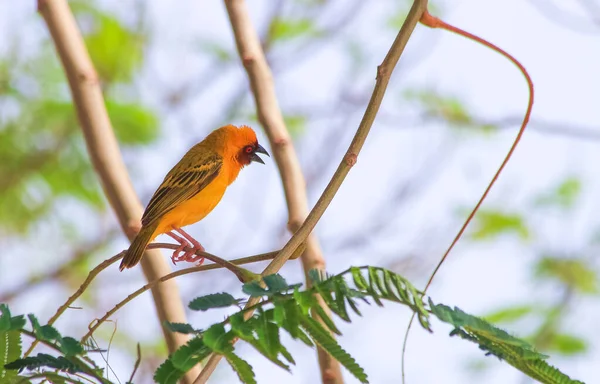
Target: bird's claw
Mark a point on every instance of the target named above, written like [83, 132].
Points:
[189, 254]
[188, 245]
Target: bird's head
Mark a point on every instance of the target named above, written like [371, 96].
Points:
[242, 144]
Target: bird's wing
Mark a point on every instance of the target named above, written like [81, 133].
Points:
[181, 184]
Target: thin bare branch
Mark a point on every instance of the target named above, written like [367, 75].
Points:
[138, 360]
[106, 158]
[384, 72]
[150, 285]
[80, 255]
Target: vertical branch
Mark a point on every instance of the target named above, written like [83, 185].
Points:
[270, 116]
[384, 72]
[106, 157]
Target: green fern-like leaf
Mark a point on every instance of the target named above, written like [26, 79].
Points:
[320, 312]
[305, 301]
[215, 300]
[181, 361]
[261, 334]
[67, 345]
[9, 322]
[167, 373]
[268, 334]
[184, 328]
[317, 276]
[498, 342]
[44, 332]
[275, 283]
[341, 293]
[384, 284]
[290, 322]
[328, 343]
[242, 368]
[44, 360]
[253, 289]
[481, 328]
[217, 339]
[190, 354]
[70, 347]
[10, 350]
[4, 318]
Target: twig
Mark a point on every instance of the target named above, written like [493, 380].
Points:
[79, 256]
[384, 72]
[106, 158]
[137, 363]
[433, 22]
[150, 285]
[269, 115]
[91, 276]
[242, 274]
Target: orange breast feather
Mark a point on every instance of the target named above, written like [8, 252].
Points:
[196, 208]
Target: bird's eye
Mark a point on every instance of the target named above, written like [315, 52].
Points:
[248, 149]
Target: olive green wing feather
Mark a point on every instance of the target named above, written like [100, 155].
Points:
[182, 183]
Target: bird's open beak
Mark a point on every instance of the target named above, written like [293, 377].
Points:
[255, 157]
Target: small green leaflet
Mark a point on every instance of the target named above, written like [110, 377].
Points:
[8, 322]
[184, 328]
[10, 350]
[215, 300]
[275, 284]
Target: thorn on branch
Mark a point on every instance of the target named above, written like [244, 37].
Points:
[351, 159]
[133, 227]
[294, 225]
[248, 60]
[329, 376]
[281, 142]
[89, 77]
[381, 72]
[41, 4]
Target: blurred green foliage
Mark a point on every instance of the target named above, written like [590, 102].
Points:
[492, 223]
[574, 273]
[571, 273]
[397, 16]
[566, 344]
[449, 108]
[509, 314]
[43, 158]
[285, 29]
[564, 195]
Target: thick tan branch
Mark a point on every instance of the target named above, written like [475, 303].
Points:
[270, 116]
[105, 155]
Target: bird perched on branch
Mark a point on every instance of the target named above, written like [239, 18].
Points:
[192, 189]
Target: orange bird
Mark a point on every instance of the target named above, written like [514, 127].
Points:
[192, 189]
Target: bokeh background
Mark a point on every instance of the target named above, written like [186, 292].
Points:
[170, 74]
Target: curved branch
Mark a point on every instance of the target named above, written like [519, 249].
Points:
[434, 22]
[384, 72]
[106, 158]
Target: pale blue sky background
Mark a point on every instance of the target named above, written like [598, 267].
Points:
[478, 277]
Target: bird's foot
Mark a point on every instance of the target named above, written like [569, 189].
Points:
[188, 245]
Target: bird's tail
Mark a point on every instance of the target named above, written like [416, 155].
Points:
[136, 250]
